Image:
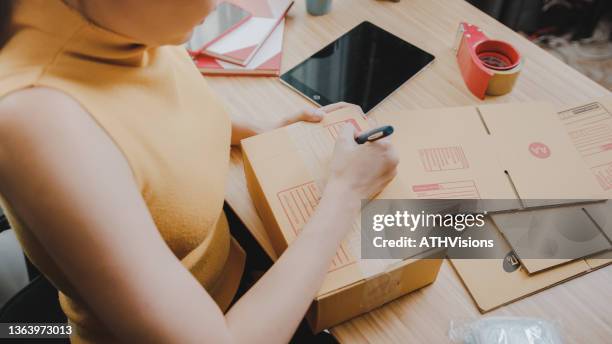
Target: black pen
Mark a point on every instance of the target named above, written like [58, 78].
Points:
[374, 134]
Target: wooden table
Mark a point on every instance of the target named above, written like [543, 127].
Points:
[583, 305]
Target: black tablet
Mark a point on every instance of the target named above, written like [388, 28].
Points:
[363, 67]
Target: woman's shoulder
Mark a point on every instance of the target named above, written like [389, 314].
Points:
[37, 105]
[45, 122]
[39, 113]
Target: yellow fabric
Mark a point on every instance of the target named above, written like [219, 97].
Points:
[158, 110]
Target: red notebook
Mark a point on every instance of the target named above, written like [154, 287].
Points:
[266, 62]
[241, 45]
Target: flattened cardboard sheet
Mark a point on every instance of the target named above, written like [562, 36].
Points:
[507, 151]
[589, 126]
[446, 153]
[496, 282]
[540, 159]
[548, 237]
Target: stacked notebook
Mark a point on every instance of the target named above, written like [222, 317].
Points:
[253, 47]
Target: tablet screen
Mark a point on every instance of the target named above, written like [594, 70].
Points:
[362, 67]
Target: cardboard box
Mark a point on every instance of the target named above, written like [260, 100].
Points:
[496, 282]
[283, 169]
[506, 151]
[512, 151]
[589, 129]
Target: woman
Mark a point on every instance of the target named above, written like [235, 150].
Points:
[113, 159]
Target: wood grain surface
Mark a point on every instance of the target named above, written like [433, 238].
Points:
[582, 306]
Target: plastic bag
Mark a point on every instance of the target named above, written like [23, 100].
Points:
[505, 330]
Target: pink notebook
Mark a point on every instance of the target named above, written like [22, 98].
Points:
[266, 62]
[241, 45]
[200, 39]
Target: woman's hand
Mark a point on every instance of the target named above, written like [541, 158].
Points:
[242, 131]
[362, 170]
[312, 114]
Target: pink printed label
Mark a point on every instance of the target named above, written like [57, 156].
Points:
[603, 173]
[539, 150]
[443, 159]
[453, 190]
[299, 203]
[425, 187]
[606, 147]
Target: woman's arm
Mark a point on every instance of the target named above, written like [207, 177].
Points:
[273, 308]
[72, 187]
[283, 294]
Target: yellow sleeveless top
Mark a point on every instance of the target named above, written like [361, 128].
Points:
[157, 108]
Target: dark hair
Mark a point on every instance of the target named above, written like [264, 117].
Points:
[6, 13]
